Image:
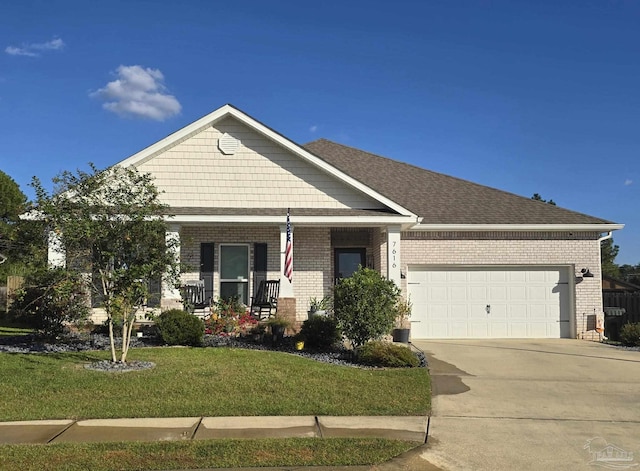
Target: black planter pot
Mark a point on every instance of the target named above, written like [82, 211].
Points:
[277, 334]
[401, 335]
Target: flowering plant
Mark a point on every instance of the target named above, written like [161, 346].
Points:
[229, 317]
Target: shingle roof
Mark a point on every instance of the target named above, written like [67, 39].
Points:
[438, 198]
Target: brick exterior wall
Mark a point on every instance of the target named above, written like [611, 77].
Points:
[575, 251]
[313, 259]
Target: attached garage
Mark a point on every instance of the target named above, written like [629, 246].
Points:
[489, 302]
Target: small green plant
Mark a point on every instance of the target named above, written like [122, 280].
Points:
[278, 325]
[178, 327]
[365, 305]
[278, 321]
[385, 354]
[320, 304]
[320, 333]
[630, 335]
[403, 312]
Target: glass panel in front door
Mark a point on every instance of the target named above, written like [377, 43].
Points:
[347, 261]
[234, 272]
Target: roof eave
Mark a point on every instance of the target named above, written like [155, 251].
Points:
[405, 222]
[604, 227]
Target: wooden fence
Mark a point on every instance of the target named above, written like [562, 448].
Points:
[14, 283]
[629, 301]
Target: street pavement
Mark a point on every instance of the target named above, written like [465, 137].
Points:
[532, 405]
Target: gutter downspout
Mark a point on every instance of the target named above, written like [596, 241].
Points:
[608, 236]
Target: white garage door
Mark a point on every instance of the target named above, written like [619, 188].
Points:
[483, 302]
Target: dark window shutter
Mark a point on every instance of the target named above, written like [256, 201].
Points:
[207, 268]
[155, 290]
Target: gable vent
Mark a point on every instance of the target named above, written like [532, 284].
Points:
[228, 144]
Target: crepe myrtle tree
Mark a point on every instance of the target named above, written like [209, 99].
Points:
[110, 223]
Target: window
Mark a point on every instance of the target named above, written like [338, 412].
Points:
[234, 271]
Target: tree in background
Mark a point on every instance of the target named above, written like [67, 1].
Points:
[608, 253]
[20, 242]
[12, 202]
[537, 197]
[630, 273]
[110, 223]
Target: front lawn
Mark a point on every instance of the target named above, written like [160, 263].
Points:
[192, 382]
[198, 454]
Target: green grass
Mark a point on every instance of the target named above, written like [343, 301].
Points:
[200, 454]
[192, 382]
[8, 331]
[12, 329]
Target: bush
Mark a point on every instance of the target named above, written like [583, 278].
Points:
[380, 353]
[320, 332]
[365, 305]
[178, 327]
[50, 300]
[630, 335]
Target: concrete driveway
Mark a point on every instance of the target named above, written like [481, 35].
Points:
[533, 405]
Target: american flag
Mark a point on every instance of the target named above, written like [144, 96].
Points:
[288, 252]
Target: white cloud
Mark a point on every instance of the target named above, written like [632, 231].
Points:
[313, 128]
[628, 182]
[33, 49]
[140, 93]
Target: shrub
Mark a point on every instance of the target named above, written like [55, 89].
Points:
[378, 353]
[50, 300]
[178, 327]
[365, 305]
[630, 335]
[320, 332]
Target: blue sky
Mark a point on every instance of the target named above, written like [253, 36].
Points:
[528, 97]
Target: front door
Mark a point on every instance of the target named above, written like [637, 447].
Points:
[347, 261]
[234, 272]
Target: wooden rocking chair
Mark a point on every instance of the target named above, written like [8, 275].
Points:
[265, 302]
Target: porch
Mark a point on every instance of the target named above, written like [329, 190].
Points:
[233, 260]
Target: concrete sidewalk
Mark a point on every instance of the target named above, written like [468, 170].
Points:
[202, 428]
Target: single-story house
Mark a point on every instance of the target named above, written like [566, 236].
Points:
[475, 261]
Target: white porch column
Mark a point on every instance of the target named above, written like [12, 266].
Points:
[56, 256]
[286, 286]
[172, 237]
[393, 254]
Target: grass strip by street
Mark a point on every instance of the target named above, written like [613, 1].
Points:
[200, 454]
[194, 382]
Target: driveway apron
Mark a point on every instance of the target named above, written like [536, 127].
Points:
[533, 405]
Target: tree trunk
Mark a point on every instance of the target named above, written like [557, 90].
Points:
[124, 341]
[113, 344]
[127, 329]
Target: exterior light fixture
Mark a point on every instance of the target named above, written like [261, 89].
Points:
[586, 273]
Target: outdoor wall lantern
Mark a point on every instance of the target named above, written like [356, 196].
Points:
[586, 273]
